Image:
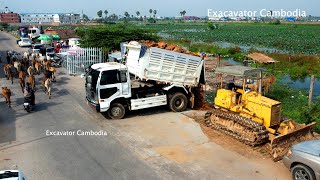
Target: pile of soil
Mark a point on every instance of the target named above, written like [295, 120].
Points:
[170, 47]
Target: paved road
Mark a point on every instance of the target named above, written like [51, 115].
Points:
[24, 142]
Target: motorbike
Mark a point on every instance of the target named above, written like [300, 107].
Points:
[27, 104]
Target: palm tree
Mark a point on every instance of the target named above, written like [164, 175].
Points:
[126, 14]
[154, 13]
[150, 11]
[106, 13]
[99, 13]
[184, 12]
[138, 13]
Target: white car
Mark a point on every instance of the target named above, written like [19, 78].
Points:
[12, 175]
[25, 42]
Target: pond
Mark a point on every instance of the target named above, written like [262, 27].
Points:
[232, 61]
[302, 84]
[292, 83]
[246, 48]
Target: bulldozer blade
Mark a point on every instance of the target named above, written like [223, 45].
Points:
[282, 143]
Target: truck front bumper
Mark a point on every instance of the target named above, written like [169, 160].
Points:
[93, 105]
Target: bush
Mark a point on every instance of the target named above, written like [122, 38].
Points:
[110, 36]
[234, 50]
[4, 25]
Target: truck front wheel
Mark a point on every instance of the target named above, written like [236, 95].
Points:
[116, 111]
[178, 102]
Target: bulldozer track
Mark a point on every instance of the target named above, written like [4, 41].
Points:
[236, 126]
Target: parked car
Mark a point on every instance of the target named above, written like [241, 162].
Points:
[303, 160]
[12, 175]
[25, 42]
[35, 48]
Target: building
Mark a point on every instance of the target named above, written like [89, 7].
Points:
[46, 18]
[190, 18]
[70, 18]
[8, 16]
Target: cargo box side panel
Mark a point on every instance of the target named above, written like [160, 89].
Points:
[172, 67]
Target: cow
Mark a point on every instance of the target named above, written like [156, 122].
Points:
[32, 81]
[38, 67]
[47, 86]
[22, 84]
[7, 68]
[30, 70]
[17, 66]
[6, 93]
[22, 78]
[53, 72]
[48, 65]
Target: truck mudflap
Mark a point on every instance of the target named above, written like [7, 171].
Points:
[281, 144]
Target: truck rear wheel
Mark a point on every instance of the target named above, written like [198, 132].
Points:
[116, 111]
[178, 102]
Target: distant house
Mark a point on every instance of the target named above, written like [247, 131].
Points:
[190, 18]
[8, 16]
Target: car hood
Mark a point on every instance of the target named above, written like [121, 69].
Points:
[310, 147]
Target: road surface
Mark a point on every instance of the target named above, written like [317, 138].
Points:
[24, 142]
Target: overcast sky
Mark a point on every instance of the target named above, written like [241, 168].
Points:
[163, 7]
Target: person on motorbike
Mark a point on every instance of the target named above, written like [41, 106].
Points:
[29, 93]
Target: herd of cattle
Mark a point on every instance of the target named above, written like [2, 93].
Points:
[27, 67]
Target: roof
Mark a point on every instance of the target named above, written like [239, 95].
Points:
[261, 58]
[108, 66]
[41, 13]
[238, 70]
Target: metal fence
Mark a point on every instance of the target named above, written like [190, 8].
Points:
[76, 60]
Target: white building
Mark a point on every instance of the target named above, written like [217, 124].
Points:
[44, 18]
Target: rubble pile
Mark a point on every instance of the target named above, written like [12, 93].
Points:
[170, 47]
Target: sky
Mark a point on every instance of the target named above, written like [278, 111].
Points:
[164, 7]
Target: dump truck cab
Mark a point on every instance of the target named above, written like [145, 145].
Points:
[106, 82]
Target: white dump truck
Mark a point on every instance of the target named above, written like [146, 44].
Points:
[149, 77]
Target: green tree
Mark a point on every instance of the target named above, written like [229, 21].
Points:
[154, 13]
[150, 11]
[126, 14]
[85, 17]
[106, 13]
[99, 13]
[4, 25]
[138, 13]
[184, 12]
[110, 36]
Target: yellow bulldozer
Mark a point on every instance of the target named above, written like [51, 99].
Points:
[254, 119]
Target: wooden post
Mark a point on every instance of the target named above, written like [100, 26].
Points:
[311, 91]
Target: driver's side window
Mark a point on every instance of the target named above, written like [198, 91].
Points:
[110, 77]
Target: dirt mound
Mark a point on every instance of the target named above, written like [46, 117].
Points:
[170, 47]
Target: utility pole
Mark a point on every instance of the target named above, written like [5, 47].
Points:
[311, 91]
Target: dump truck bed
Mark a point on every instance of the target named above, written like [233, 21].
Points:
[164, 66]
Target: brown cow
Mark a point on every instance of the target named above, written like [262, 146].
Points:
[48, 65]
[8, 72]
[32, 81]
[47, 86]
[6, 93]
[30, 70]
[22, 84]
[38, 67]
[53, 71]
